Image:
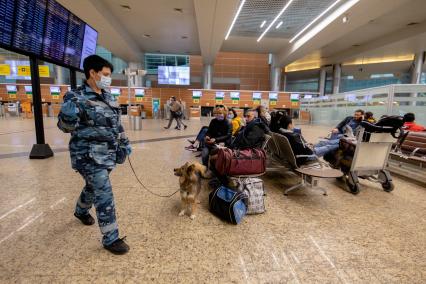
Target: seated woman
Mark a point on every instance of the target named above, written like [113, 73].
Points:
[198, 143]
[253, 134]
[219, 131]
[237, 122]
[263, 114]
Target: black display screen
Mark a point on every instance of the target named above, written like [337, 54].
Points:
[7, 8]
[74, 41]
[29, 25]
[55, 31]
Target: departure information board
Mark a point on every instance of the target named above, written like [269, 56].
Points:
[74, 41]
[55, 31]
[29, 25]
[7, 8]
[89, 43]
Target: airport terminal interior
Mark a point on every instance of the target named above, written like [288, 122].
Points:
[265, 141]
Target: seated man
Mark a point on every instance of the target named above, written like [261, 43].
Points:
[410, 124]
[253, 134]
[219, 131]
[351, 121]
[298, 144]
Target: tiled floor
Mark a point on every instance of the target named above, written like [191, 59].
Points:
[374, 237]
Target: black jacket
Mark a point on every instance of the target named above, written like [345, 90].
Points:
[298, 145]
[220, 130]
[250, 136]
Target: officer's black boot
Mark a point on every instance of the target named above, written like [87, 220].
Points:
[85, 219]
[118, 247]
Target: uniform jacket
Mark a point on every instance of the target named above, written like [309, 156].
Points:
[96, 129]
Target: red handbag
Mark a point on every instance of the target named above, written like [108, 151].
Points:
[240, 162]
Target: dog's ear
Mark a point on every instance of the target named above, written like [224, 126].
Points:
[190, 168]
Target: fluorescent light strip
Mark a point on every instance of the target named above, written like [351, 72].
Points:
[235, 18]
[316, 19]
[337, 13]
[263, 23]
[279, 25]
[276, 18]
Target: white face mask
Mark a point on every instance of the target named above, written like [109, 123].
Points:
[104, 83]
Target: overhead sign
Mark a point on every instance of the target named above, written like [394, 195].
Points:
[273, 98]
[115, 92]
[219, 97]
[257, 97]
[11, 91]
[4, 69]
[235, 97]
[139, 92]
[43, 71]
[55, 91]
[29, 91]
[196, 95]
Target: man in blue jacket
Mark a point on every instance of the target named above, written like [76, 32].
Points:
[98, 142]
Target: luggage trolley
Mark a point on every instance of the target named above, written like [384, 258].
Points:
[370, 160]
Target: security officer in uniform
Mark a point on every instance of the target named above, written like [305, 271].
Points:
[92, 116]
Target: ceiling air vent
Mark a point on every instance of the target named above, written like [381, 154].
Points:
[412, 24]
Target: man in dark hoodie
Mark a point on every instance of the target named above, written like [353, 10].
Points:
[253, 134]
[220, 131]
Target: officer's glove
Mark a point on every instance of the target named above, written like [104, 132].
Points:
[128, 149]
[70, 110]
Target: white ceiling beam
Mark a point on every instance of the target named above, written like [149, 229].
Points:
[111, 35]
[360, 14]
[213, 20]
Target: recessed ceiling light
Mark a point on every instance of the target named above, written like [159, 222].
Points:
[146, 35]
[125, 7]
[235, 19]
[183, 37]
[180, 10]
[412, 24]
[276, 18]
[263, 23]
[279, 25]
[314, 20]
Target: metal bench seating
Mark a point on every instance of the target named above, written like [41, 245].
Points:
[310, 173]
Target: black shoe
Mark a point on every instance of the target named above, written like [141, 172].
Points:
[85, 219]
[185, 126]
[191, 141]
[177, 128]
[165, 127]
[118, 247]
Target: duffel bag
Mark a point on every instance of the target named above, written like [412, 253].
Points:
[228, 204]
[254, 189]
[240, 162]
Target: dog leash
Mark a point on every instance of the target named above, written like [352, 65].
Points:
[146, 188]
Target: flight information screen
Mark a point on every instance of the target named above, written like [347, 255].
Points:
[55, 31]
[7, 8]
[74, 41]
[29, 25]
[89, 43]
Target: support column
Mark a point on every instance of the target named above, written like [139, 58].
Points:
[416, 72]
[137, 81]
[337, 74]
[61, 76]
[284, 81]
[322, 81]
[207, 76]
[41, 150]
[275, 78]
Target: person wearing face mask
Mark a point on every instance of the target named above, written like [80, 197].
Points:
[219, 131]
[252, 134]
[92, 116]
[237, 122]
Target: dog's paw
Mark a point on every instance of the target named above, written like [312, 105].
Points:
[192, 217]
[181, 213]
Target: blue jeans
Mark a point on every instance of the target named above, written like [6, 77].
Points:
[323, 147]
[98, 192]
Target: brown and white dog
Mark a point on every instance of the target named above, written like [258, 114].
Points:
[190, 176]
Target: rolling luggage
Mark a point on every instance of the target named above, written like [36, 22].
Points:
[240, 162]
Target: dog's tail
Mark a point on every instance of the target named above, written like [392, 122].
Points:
[203, 171]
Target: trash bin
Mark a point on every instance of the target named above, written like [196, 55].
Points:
[135, 118]
[50, 111]
[143, 114]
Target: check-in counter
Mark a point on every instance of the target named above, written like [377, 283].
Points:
[195, 113]
[135, 110]
[56, 108]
